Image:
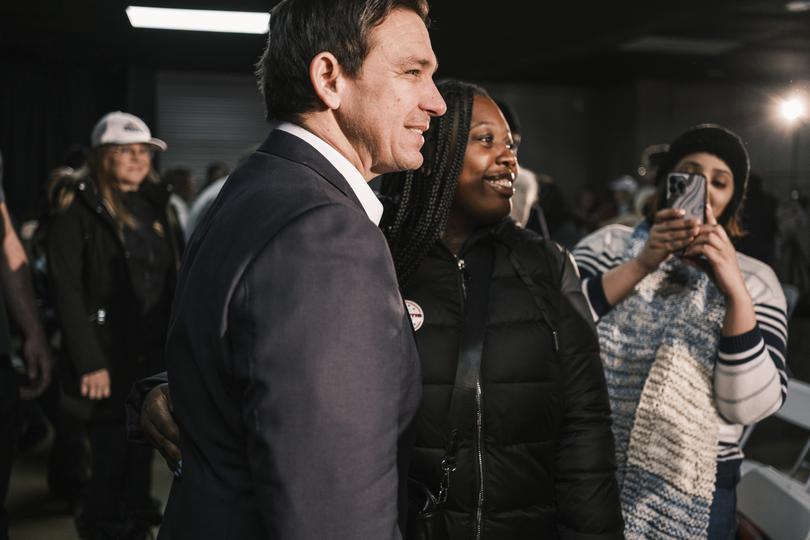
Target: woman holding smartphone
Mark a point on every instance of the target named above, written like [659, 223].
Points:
[693, 337]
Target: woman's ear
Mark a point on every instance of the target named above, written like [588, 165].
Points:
[327, 79]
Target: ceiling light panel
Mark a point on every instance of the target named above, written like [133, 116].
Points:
[239, 22]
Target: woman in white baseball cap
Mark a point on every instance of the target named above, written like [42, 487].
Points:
[113, 249]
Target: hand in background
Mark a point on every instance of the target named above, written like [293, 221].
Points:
[39, 366]
[96, 384]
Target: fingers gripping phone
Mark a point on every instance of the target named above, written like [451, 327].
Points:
[687, 192]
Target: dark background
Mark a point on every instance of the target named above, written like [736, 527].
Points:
[593, 83]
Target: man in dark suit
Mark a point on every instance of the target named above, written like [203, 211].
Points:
[291, 362]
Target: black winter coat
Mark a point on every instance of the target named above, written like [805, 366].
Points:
[93, 291]
[542, 464]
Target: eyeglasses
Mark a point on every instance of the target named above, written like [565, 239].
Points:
[133, 150]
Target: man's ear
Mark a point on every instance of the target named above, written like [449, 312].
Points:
[327, 79]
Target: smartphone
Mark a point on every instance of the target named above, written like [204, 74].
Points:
[687, 192]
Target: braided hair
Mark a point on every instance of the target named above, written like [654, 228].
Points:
[423, 198]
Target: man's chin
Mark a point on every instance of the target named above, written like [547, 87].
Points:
[413, 162]
[410, 163]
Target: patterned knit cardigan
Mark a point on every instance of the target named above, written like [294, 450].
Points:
[659, 347]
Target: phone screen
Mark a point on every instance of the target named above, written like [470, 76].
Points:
[688, 192]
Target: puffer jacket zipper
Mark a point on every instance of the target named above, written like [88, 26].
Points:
[479, 451]
[479, 420]
[462, 280]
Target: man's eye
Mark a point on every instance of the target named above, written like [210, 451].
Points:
[414, 72]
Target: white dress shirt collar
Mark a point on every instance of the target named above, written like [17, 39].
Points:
[365, 194]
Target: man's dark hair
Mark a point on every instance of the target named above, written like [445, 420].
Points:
[301, 29]
[424, 197]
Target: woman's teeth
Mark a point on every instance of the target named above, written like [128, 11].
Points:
[502, 182]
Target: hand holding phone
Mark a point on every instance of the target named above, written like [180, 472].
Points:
[687, 192]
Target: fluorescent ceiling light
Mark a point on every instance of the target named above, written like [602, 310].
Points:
[677, 45]
[241, 22]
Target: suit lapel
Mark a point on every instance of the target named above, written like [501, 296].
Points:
[285, 145]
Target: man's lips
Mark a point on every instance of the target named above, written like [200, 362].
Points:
[418, 130]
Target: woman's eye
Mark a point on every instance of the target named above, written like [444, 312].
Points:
[486, 139]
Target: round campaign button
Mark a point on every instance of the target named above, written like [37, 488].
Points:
[416, 313]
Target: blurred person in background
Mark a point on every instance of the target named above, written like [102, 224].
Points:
[206, 197]
[216, 170]
[759, 221]
[552, 216]
[693, 337]
[113, 250]
[619, 208]
[16, 296]
[793, 248]
[181, 182]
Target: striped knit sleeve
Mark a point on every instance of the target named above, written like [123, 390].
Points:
[750, 377]
[595, 255]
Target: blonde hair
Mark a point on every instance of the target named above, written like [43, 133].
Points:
[96, 171]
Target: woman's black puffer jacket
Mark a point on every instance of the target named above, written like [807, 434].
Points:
[540, 463]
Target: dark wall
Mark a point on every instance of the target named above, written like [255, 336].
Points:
[581, 136]
[47, 109]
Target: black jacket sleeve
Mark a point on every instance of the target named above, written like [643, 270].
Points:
[317, 329]
[65, 249]
[586, 490]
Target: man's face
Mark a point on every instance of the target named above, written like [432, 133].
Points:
[387, 108]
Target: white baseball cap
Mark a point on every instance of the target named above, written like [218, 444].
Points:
[123, 128]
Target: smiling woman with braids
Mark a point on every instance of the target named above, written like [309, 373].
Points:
[530, 440]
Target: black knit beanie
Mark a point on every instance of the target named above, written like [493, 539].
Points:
[718, 141]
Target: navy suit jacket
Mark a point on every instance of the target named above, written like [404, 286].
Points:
[291, 361]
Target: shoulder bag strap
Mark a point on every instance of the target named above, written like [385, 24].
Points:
[477, 271]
